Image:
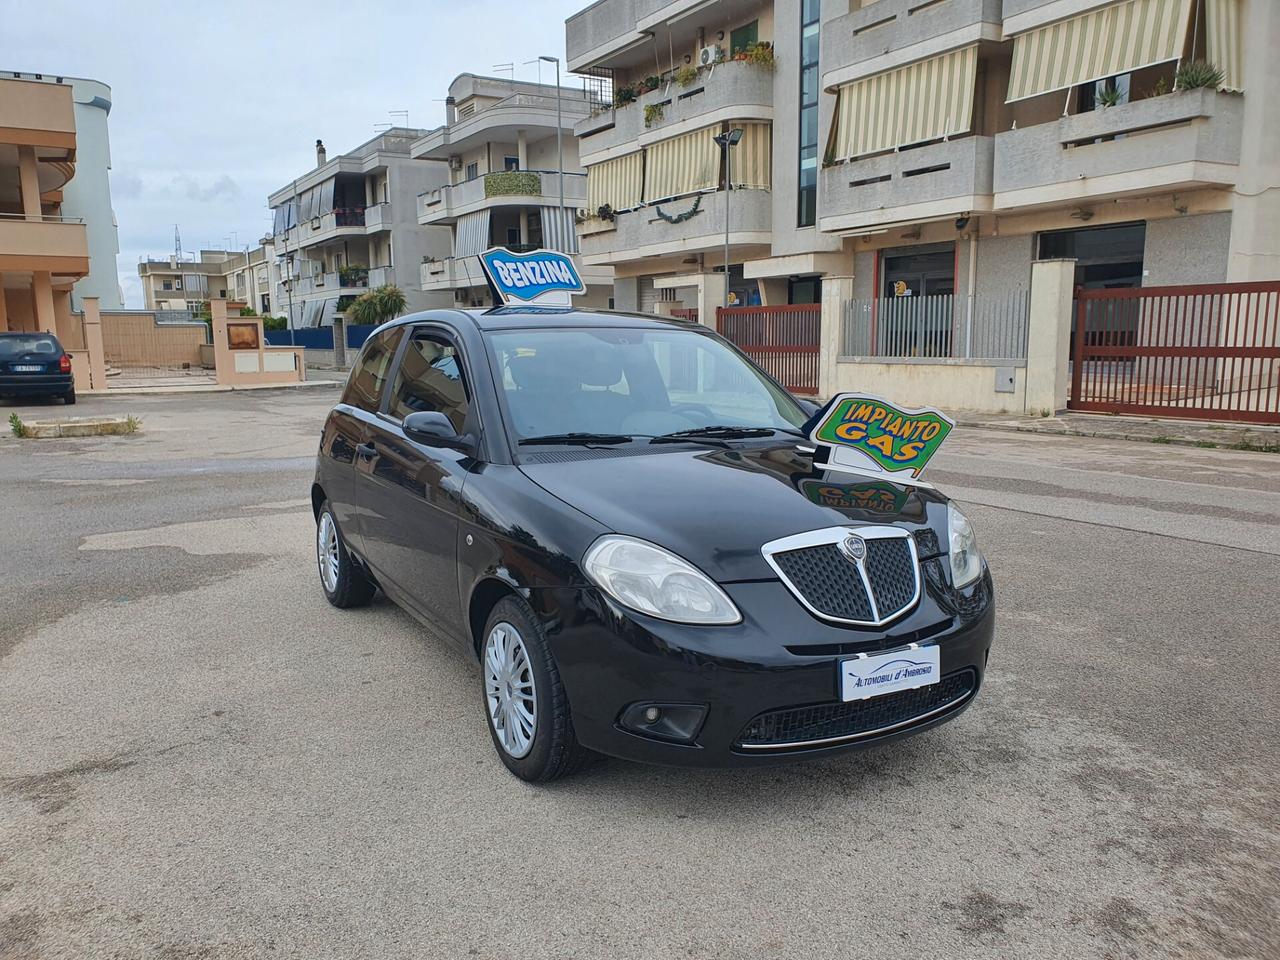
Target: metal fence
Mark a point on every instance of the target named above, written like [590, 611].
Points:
[782, 340]
[898, 328]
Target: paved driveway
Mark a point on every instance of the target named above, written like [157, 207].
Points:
[200, 758]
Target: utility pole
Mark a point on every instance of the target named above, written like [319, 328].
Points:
[726, 141]
[559, 142]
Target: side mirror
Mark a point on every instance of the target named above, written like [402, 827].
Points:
[431, 428]
[808, 406]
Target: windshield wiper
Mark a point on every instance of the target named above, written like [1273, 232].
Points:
[583, 438]
[716, 432]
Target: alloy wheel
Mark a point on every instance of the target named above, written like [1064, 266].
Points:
[509, 689]
[327, 551]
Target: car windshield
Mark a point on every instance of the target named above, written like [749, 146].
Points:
[623, 383]
[21, 345]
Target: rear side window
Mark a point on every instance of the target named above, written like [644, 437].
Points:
[369, 375]
[430, 378]
[41, 344]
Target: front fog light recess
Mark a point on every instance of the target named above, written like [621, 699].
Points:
[966, 560]
[677, 722]
[647, 578]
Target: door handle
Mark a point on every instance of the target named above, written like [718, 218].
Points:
[365, 451]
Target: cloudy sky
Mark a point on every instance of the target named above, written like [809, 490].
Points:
[216, 105]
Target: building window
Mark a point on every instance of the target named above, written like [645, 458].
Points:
[804, 290]
[744, 37]
[473, 170]
[924, 271]
[510, 163]
[807, 201]
[166, 285]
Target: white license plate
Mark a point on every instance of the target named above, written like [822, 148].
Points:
[28, 367]
[880, 673]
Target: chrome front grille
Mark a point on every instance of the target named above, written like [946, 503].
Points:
[859, 575]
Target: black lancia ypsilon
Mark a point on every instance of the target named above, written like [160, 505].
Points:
[621, 519]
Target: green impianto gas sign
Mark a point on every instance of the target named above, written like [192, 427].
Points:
[893, 440]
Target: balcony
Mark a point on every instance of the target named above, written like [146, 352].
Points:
[642, 233]
[450, 273]
[381, 276]
[377, 217]
[44, 111]
[733, 90]
[48, 243]
[946, 179]
[891, 33]
[344, 222]
[610, 27]
[1177, 141]
[502, 189]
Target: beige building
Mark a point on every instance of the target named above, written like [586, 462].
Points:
[351, 224]
[180, 284]
[42, 252]
[507, 186]
[896, 149]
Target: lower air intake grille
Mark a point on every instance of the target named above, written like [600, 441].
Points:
[798, 727]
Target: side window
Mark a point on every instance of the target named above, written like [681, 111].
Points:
[430, 378]
[369, 375]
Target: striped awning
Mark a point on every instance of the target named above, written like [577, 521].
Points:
[919, 102]
[1111, 40]
[472, 235]
[1222, 38]
[558, 232]
[618, 182]
[752, 157]
[682, 165]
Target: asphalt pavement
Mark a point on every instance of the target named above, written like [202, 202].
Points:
[199, 757]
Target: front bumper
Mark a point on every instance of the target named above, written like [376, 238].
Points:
[779, 658]
[36, 384]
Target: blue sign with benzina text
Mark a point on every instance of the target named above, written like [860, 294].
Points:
[543, 277]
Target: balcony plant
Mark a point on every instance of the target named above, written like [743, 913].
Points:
[686, 75]
[1198, 75]
[353, 275]
[512, 183]
[624, 95]
[759, 54]
[651, 82]
[605, 213]
[652, 114]
[1109, 97]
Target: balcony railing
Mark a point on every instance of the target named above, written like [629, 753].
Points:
[949, 178]
[500, 188]
[377, 217]
[866, 35]
[738, 86]
[1095, 153]
[643, 232]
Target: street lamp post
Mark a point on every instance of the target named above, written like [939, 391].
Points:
[726, 141]
[559, 141]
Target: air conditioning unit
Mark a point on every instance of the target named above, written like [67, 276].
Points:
[709, 55]
[455, 163]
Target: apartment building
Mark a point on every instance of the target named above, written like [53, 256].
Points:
[351, 223]
[177, 283]
[43, 251]
[926, 148]
[513, 181]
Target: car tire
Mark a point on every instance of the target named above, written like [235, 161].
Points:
[344, 581]
[69, 398]
[553, 750]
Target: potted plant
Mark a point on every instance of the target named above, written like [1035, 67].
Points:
[624, 95]
[652, 114]
[651, 83]
[605, 213]
[1198, 75]
[1108, 97]
[686, 75]
[758, 54]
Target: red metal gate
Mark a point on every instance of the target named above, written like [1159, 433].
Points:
[1210, 351]
[783, 341]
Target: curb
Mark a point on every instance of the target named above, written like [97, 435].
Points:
[78, 427]
[206, 388]
[1062, 430]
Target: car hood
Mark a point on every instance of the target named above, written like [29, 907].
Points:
[717, 507]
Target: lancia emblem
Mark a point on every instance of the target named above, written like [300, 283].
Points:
[854, 548]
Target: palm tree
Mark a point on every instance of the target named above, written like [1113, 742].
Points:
[377, 306]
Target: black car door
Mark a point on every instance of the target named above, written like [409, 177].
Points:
[410, 494]
[345, 446]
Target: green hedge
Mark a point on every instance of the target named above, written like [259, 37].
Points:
[511, 183]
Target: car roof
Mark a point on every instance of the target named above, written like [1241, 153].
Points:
[532, 318]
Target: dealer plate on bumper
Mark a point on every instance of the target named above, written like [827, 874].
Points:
[877, 674]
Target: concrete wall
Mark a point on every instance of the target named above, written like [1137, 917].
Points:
[136, 340]
[409, 241]
[1183, 250]
[949, 385]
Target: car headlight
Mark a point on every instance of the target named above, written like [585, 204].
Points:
[647, 578]
[966, 559]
